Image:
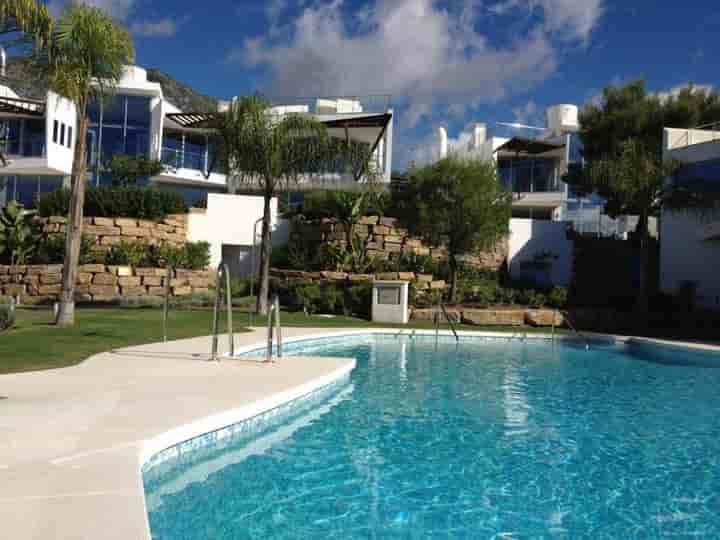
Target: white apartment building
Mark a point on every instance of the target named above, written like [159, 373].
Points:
[690, 241]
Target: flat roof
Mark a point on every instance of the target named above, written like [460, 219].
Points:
[522, 145]
[22, 106]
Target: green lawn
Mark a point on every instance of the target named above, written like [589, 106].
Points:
[34, 343]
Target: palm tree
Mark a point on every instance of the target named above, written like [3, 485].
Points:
[269, 152]
[87, 54]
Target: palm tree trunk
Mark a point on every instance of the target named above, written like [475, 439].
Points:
[265, 250]
[642, 301]
[73, 236]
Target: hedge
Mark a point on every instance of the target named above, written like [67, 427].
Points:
[129, 202]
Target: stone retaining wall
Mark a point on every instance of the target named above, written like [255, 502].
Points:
[423, 282]
[108, 232]
[384, 238]
[496, 317]
[41, 284]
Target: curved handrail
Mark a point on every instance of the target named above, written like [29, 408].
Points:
[274, 316]
[223, 271]
[447, 317]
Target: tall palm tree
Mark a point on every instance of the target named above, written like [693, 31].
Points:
[87, 54]
[268, 152]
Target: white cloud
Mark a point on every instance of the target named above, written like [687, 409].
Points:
[664, 95]
[568, 19]
[120, 9]
[160, 28]
[529, 114]
[411, 48]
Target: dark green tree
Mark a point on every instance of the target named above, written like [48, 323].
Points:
[127, 170]
[460, 203]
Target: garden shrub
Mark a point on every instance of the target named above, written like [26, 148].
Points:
[557, 297]
[128, 202]
[127, 254]
[358, 300]
[190, 256]
[304, 296]
[7, 313]
[17, 235]
[51, 250]
[196, 255]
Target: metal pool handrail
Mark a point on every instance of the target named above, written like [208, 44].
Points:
[572, 327]
[274, 317]
[223, 272]
[447, 317]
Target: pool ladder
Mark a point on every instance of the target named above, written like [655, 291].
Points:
[442, 311]
[273, 323]
[223, 286]
[577, 332]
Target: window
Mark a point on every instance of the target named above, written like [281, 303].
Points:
[55, 131]
[69, 137]
[62, 134]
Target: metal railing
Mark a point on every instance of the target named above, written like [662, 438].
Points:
[577, 332]
[274, 323]
[441, 310]
[223, 278]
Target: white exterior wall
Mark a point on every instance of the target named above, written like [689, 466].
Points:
[691, 145]
[529, 237]
[60, 157]
[229, 220]
[687, 256]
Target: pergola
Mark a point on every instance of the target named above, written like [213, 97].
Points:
[22, 107]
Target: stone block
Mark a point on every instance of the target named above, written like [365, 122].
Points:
[406, 276]
[492, 317]
[92, 268]
[45, 290]
[181, 291]
[369, 220]
[156, 291]
[83, 278]
[389, 222]
[126, 222]
[37, 300]
[201, 290]
[393, 248]
[127, 281]
[4, 270]
[179, 282]
[57, 219]
[145, 272]
[360, 278]
[387, 276]
[133, 291]
[413, 242]
[439, 284]
[389, 239]
[110, 240]
[399, 232]
[198, 282]
[146, 224]
[104, 221]
[381, 230]
[17, 270]
[83, 298]
[139, 232]
[43, 269]
[544, 317]
[152, 281]
[4, 278]
[104, 291]
[124, 271]
[29, 279]
[335, 276]
[421, 251]
[51, 279]
[83, 288]
[87, 221]
[101, 230]
[14, 289]
[105, 280]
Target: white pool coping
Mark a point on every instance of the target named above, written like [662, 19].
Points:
[73, 441]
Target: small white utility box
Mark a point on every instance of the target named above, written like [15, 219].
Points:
[390, 302]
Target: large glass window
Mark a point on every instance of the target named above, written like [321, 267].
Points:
[33, 140]
[26, 190]
[187, 151]
[528, 175]
[118, 125]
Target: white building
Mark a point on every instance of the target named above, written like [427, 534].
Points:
[690, 242]
[145, 117]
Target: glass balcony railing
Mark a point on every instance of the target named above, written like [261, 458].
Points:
[185, 159]
[521, 181]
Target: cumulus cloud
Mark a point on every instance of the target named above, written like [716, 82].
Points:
[160, 28]
[529, 114]
[569, 19]
[664, 95]
[409, 48]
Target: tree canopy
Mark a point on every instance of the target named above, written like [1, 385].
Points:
[459, 203]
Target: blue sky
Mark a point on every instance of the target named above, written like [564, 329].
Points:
[451, 62]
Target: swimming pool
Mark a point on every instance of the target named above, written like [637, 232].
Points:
[481, 439]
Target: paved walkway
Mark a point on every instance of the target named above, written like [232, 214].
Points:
[71, 440]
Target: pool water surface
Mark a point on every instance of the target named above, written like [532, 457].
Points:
[488, 439]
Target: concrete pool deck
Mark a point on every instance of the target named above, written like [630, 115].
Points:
[73, 440]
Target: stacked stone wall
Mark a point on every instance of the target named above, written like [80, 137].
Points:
[41, 284]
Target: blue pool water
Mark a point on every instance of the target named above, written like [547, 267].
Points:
[485, 439]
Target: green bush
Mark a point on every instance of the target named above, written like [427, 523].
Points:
[333, 300]
[558, 297]
[51, 250]
[130, 202]
[127, 254]
[17, 235]
[358, 301]
[191, 256]
[196, 255]
[7, 314]
[304, 296]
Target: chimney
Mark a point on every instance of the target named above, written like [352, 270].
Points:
[479, 135]
[442, 136]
